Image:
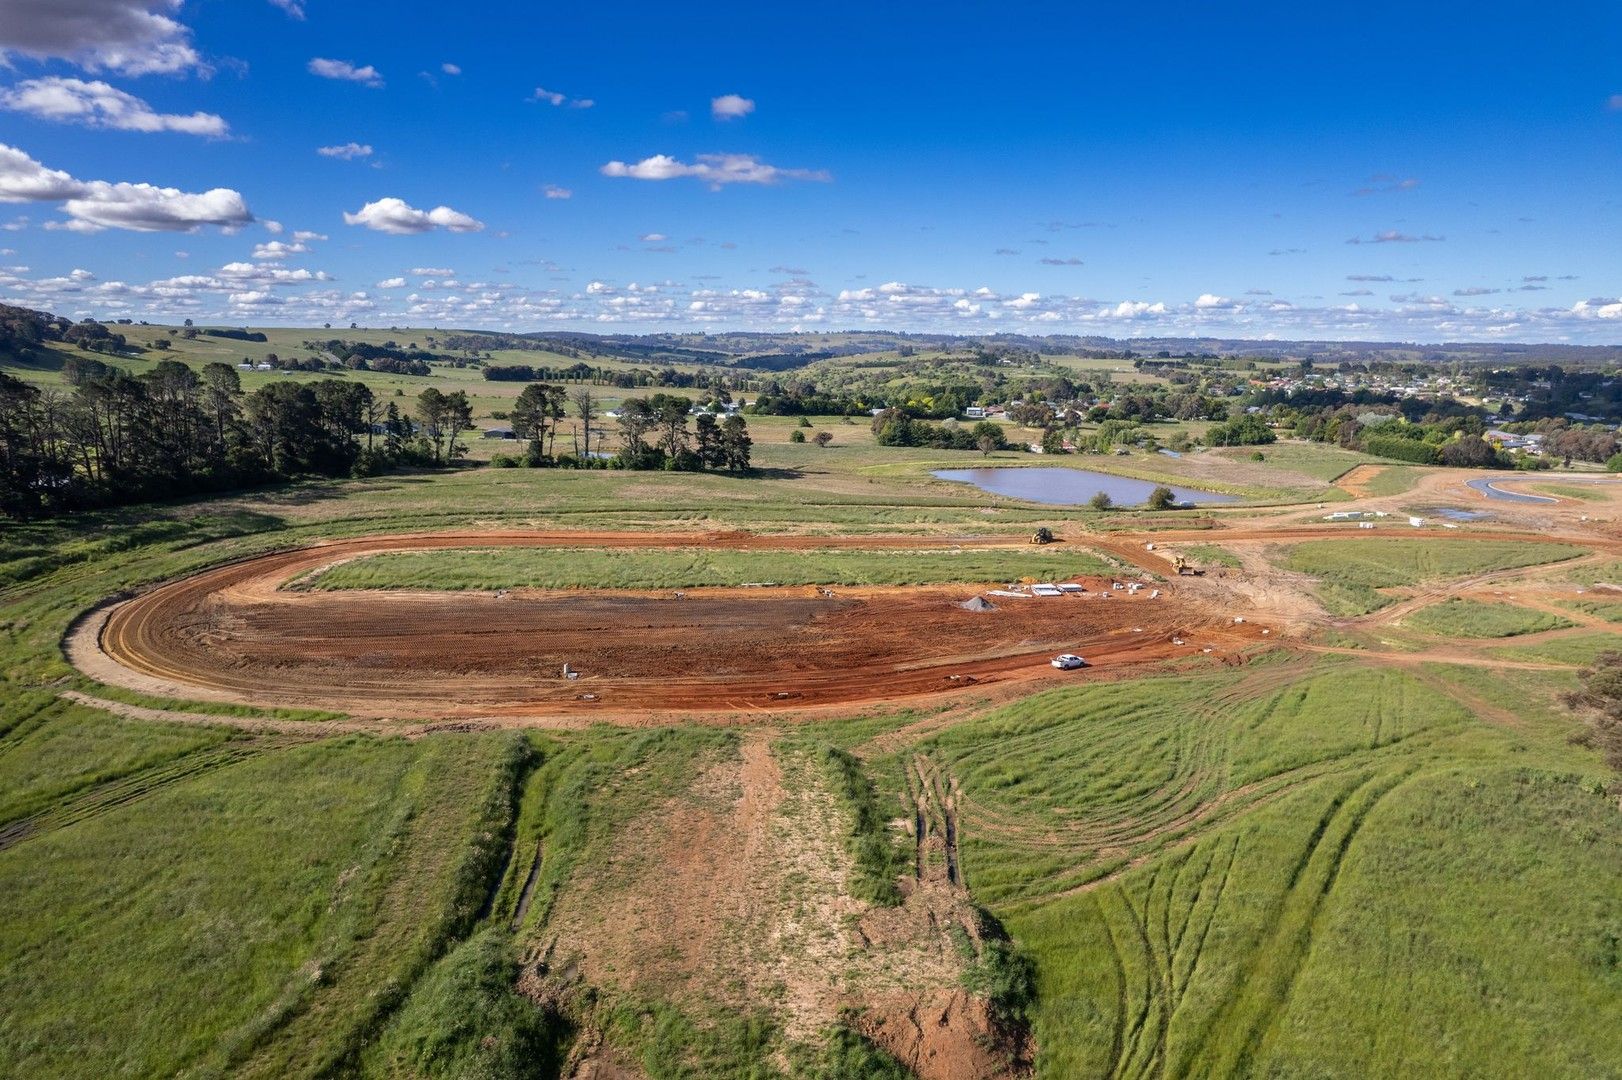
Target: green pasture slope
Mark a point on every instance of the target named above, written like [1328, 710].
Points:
[1275, 870]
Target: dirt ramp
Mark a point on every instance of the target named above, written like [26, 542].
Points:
[736, 893]
[943, 1035]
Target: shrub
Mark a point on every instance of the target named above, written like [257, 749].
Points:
[1162, 498]
[1101, 501]
[796, 436]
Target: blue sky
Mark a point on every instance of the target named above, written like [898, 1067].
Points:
[1385, 172]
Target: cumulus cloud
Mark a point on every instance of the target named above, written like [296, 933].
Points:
[432, 271]
[135, 37]
[731, 107]
[392, 283]
[98, 105]
[1392, 236]
[240, 272]
[552, 97]
[344, 71]
[146, 208]
[279, 249]
[22, 179]
[93, 205]
[1598, 309]
[346, 151]
[1209, 301]
[716, 170]
[391, 215]
[553, 191]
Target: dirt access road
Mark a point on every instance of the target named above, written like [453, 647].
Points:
[235, 634]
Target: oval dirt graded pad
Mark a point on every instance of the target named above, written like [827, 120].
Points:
[235, 634]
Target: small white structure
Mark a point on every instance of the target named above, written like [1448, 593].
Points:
[1416, 522]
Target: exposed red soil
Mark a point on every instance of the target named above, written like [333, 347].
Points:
[233, 634]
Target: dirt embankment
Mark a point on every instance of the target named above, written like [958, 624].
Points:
[736, 894]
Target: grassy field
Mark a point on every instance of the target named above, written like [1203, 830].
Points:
[1262, 844]
[1475, 619]
[1352, 573]
[574, 568]
[1575, 649]
[1380, 564]
[1212, 555]
[1608, 609]
[1584, 492]
[1280, 869]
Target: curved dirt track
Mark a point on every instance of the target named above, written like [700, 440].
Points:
[234, 634]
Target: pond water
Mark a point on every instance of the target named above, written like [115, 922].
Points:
[1487, 486]
[1072, 486]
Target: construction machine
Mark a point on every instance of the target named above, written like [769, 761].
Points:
[1043, 535]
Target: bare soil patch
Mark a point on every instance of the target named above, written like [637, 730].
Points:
[234, 634]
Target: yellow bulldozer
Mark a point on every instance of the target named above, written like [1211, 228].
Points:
[1184, 568]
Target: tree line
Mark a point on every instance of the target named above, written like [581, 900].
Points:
[113, 438]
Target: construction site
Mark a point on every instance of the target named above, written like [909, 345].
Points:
[237, 634]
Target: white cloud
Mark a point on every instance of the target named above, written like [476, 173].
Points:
[278, 249]
[1598, 309]
[22, 179]
[1133, 309]
[92, 205]
[345, 71]
[391, 215]
[392, 283]
[450, 69]
[270, 275]
[552, 97]
[653, 237]
[294, 8]
[432, 271]
[731, 107]
[553, 191]
[1209, 301]
[304, 236]
[136, 37]
[346, 152]
[714, 169]
[146, 208]
[274, 228]
[98, 105]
